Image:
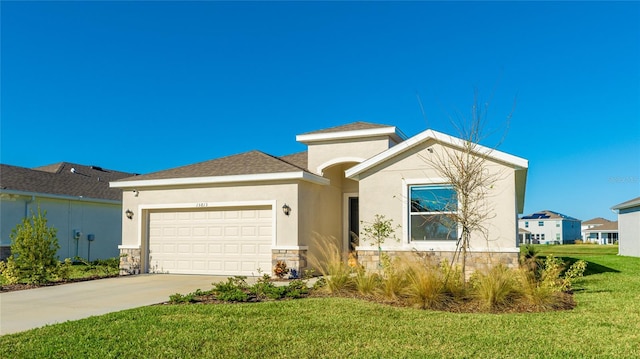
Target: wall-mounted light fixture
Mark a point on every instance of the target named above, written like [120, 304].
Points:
[129, 214]
[135, 193]
[286, 209]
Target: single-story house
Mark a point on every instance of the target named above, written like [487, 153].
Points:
[629, 227]
[549, 227]
[240, 214]
[606, 233]
[78, 202]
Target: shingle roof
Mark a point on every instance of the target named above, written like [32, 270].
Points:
[607, 227]
[597, 220]
[299, 159]
[68, 179]
[628, 204]
[252, 162]
[349, 127]
[546, 214]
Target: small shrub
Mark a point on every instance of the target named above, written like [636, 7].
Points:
[425, 287]
[297, 289]
[366, 283]
[234, 290]
[495, 288]
[33, 249]
[393, 280]
[179, 298]
[65, 269]
[8, 273]
[574, 272]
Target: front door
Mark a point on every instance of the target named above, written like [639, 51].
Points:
[354, 224]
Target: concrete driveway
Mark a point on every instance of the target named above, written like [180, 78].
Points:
[33, 308]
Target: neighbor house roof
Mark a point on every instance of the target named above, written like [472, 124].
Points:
[248, 166]
[607, 227]
[351, 131]
[628, 204]
[546, 214]
[62, 179]
[597, 220]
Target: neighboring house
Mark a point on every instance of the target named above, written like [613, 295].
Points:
[524, 237]
[548, 227]
[78, 202]
[594, 222]
[603, 234]
[629, 227]
[240, 214]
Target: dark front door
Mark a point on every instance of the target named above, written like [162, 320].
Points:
[354, 223]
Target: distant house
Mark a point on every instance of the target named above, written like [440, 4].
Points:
[237, 214]
[524, 237]
[549, 227]
[79, 204]
[594, 222]
[629, 227]
[606, 233]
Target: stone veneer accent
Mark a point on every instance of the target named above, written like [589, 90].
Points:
[296, 259]
[130, 261]
[475, 260]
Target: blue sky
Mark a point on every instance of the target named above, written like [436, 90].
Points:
[146, 86]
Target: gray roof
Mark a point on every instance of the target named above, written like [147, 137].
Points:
[252, 162]
[66, 179]
[628, 204]
[355, 126]
[607, 227]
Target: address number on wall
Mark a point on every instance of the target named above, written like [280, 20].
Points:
[202, 204]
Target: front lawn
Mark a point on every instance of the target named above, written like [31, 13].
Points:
[605, 324]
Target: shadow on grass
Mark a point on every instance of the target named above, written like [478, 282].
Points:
[592, 268]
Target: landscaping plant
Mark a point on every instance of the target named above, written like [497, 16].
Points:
[33, 251]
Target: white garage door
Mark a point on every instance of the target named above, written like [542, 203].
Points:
[219, 242]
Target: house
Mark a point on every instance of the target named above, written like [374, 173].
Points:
[603, 234]
[629, 227]
[524, 237]
[78, 201]
[549, 227]
[240, 214]
[594, 222]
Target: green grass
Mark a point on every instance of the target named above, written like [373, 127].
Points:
[576, 249]
[605, 324]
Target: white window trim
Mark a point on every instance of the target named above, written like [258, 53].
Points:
[406, 224]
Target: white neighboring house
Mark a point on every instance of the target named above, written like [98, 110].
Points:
[78, 201]
[629, 227]
[592, 223]
[549, 227]
[606, 233]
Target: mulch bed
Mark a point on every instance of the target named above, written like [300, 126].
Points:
[15, 287]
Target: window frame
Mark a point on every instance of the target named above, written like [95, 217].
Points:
[411, 214]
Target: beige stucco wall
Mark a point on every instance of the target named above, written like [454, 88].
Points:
[287, 228]
[384, 190]
[324, 154]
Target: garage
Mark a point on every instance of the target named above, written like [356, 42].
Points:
[222, 241]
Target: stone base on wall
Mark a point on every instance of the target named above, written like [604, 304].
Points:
[129, 261]
[296, 260]
[370, 259]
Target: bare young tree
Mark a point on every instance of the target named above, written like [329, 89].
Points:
[465, 167]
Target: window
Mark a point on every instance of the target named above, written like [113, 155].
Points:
[429, 207]
[557, 236]
[557, 224]
[541, 224]
[542, 236]
[526, 224]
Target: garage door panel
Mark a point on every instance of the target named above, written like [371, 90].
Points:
[224, 242]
